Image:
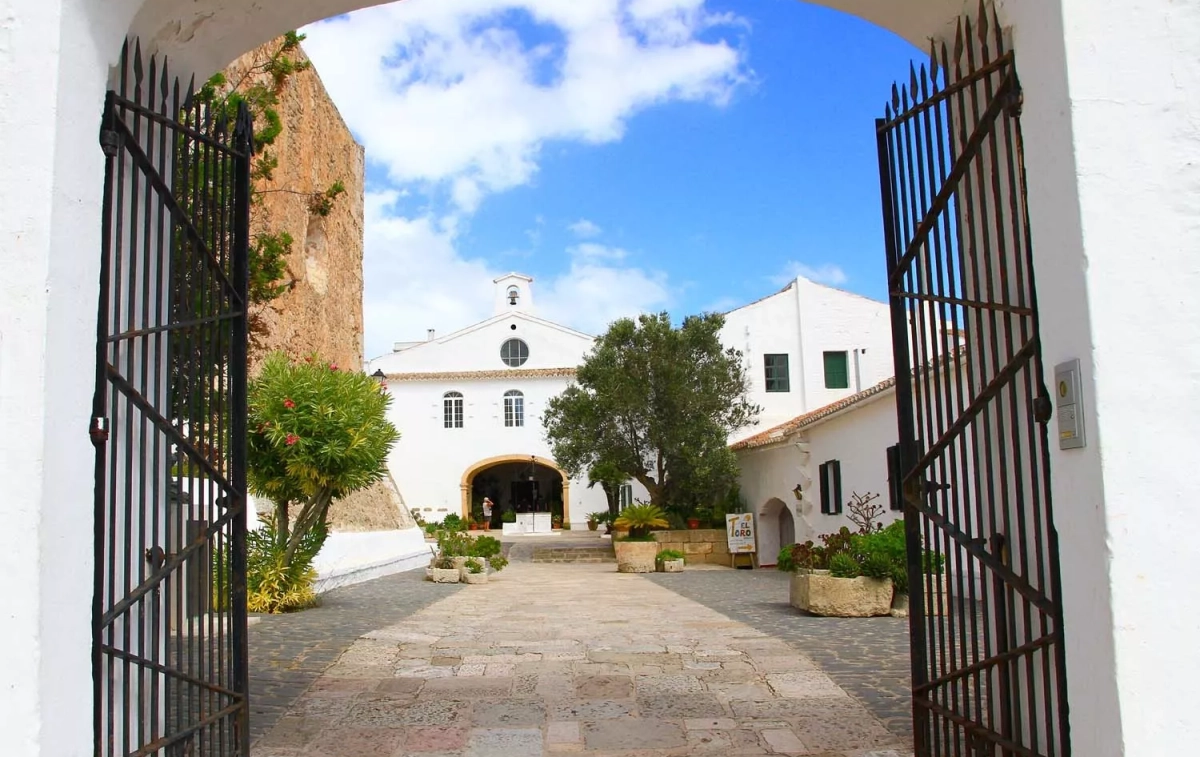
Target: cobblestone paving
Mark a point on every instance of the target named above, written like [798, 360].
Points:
[869, 657]
[550, 660]
[289, 652]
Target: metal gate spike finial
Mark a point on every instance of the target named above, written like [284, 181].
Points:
[912, 77]
[933, 63]
[983, 21]
[895, 97]
[958, 43]
[137, 67]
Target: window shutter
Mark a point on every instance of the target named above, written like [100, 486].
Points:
[824, 476]
[836, 474]
[837, 370]
[895, 494]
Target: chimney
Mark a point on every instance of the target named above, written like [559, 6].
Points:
[429, 334]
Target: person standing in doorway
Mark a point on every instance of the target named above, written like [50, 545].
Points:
[487, 514]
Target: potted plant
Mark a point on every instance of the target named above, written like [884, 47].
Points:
[669, 561]
[497, 563]
[509, 516]
[556, 521]
[636, 552]
[848, 576]
[473, 571]
[693, 522]
[472, 524]
[444, 571]
[593, 522]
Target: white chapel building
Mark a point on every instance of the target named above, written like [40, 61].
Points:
[469, 409]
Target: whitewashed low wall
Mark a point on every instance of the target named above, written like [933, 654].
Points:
[350, 558]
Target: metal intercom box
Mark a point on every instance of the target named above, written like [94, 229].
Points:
[1068, 398]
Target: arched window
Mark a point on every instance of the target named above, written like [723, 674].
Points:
[452, 410]
[514, 409]
[514, 353]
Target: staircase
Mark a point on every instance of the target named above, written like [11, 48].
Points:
[583, 554]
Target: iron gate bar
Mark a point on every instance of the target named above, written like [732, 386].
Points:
[958, 169]
[136, 593]
[160, 668]
[989, 667]
[1020, 651]
[195, 456]
[125, 336]
[129, 144]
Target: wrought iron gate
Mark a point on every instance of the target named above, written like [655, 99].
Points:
[169, 634]
[986, 619]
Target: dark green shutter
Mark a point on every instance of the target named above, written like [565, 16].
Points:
[837, 372]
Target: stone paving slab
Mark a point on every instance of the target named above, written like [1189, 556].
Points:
[288, 653]
[867, 657]
[649, 673]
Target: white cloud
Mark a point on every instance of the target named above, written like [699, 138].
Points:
[449, 100]
[609, 291]
[583, 228]
[447, 93]
[826, 273]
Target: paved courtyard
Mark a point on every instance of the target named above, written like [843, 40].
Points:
[553, 659]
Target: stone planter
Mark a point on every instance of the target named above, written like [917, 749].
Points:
[459, 562]
[474, 578]
[670, 566]
[444, 575]
[819, 593]
[936, 604]
[635, 556]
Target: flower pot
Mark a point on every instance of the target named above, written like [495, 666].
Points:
[474, 578]
[444, 575]
[671, 566]
[693, 523]
[593, 525]
[819, 593]
[473, 527]
[459, 562]
[635, 556]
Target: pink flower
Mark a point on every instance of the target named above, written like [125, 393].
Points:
[288, 403]
[292, 439]
[333, 366]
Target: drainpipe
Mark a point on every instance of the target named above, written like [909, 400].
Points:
[857, 372]
[800, 351]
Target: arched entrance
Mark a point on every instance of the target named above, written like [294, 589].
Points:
[776, 528]
[522, 483]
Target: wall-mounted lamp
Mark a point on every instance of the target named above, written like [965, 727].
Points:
[379, 376]
[799, 492]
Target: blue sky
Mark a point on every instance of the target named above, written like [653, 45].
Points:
[630, 155]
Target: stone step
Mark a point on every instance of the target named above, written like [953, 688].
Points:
[574, 554]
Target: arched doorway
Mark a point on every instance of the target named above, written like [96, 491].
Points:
[521, 483]
[776, 528]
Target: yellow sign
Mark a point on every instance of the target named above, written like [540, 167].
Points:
[739, 532]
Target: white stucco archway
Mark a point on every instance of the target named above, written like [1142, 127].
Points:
[1114, 161]
[771, 518]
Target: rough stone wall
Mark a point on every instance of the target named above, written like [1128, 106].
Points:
[322, 310]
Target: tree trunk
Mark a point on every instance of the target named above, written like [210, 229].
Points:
[281, 524]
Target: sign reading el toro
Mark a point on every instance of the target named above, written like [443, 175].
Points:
[739, 531]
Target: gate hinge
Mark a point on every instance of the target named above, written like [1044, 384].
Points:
[1014, 100]
[99, 430]
[110, 142]
[1042, 409]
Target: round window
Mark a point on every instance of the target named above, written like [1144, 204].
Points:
[514, 353]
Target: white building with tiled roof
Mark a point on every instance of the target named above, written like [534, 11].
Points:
[469, 409]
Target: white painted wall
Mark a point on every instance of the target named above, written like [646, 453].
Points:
[1112, 152]
[477, 348]
[767, 474]
[859, 440]
[803, 321]
[350, 558]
